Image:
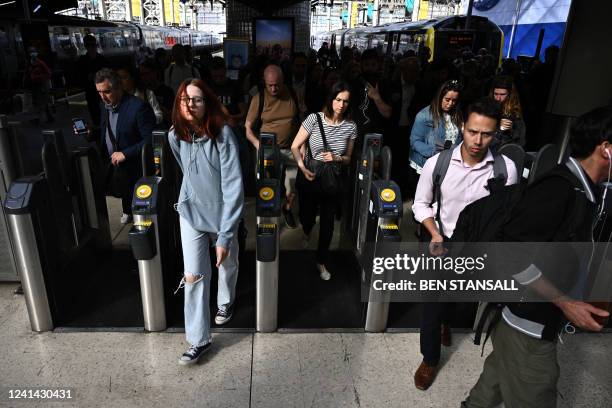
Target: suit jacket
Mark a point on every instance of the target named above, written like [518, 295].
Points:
[134, 128]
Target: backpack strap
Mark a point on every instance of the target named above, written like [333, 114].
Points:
[437, 176]
[500, 174]
[170, 72]
[500, 171]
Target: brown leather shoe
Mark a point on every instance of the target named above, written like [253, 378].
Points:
[424, 376]
[446, 337]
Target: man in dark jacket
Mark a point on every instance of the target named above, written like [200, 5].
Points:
[522, 370]
[126, 125]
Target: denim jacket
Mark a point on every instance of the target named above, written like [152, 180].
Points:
[424, 137]
[212, 195]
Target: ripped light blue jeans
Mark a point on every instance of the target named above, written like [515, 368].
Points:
[196, 257]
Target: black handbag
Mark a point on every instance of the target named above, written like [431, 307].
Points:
[328, 174]
[117, 178]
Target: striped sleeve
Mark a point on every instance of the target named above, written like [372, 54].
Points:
[309, 123]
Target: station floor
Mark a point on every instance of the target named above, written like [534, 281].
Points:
[111, 369]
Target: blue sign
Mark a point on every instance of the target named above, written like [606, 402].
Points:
[484, 5]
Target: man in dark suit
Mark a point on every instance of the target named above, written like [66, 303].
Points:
[126, 124]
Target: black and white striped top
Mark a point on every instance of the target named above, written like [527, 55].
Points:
[337, 136]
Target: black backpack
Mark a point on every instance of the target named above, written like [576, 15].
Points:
[495, 184]
[483, 220]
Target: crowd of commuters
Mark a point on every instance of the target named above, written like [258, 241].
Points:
[460, 109]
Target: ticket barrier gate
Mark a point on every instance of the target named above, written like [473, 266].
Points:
[383, 219]
[152, 237]
[375, 163]
[44, 231]
[268, 210]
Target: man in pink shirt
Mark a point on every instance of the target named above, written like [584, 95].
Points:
[466, 180]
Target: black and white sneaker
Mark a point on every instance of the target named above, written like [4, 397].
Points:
[194, 353]
[224, 316]
[289, 218]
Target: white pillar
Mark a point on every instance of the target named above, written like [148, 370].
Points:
[102, 9]
[128, 10]
[162, 13]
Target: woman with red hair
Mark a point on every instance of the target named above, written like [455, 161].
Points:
[210, 206]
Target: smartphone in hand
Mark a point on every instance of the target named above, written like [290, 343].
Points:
[79, 126]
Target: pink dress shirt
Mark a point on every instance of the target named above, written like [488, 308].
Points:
[461, 186]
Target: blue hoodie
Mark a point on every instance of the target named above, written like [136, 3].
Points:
[212, 196]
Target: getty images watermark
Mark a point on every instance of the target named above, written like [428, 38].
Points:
[494, 272]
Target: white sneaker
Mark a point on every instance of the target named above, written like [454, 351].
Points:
[323, 272]
[126, 218]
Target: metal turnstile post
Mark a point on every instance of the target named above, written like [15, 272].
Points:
[26, 206]
[384, 218]
[147, 245]
[268, 208]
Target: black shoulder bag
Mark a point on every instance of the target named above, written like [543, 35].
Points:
[117, 179]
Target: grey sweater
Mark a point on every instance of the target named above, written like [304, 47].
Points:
[212, 195]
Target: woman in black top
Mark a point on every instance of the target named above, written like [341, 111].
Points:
[310, 153]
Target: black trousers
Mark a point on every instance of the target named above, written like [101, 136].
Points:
[433, 315]
[312, 200]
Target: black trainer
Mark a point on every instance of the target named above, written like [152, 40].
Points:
[194, 353]
[224, 316]
[289, 219]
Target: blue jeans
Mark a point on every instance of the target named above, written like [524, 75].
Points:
[196, 257]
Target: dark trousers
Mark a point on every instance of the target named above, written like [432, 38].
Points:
[433, 315]
[311, 200]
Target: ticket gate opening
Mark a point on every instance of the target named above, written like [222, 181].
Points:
[268, 210]
[383, 221]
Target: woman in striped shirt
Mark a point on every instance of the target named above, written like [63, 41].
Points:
[309, 152]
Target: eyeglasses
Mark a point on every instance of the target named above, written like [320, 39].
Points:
[198, 100]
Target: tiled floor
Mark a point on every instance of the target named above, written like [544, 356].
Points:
[263, 370]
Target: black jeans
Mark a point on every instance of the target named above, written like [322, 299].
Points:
[311, 200]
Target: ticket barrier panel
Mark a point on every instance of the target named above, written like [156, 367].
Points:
[372, 142]
[148, 239]
[268, 210]
[372, 167]
[30, 218]
[9, 171]
[384, 216]
[91, 188]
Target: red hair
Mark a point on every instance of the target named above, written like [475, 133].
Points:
[213, 119]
